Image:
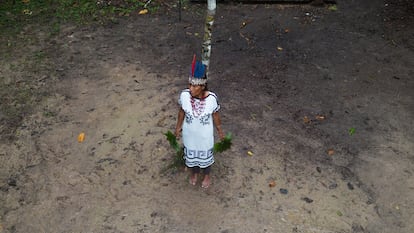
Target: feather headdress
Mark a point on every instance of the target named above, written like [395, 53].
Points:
[198, 73]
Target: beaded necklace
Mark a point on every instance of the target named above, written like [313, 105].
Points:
[198, 106]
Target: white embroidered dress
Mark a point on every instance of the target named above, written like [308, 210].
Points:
[198, 130]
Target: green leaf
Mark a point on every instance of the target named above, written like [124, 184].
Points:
[351, 131]
[223, 144]
[333, 8]
[173, 141]
[178, 160]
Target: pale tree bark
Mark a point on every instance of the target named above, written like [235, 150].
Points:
[206, 47]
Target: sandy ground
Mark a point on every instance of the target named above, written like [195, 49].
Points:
[322, 98]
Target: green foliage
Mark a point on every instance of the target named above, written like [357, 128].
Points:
[351, 131]
[173, 141]
[223, 144]
[179, 158]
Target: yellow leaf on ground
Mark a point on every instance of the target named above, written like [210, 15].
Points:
[250, 153]
[331, 152]
[81, 137]
[272, 183]
[306, 120]
[143, 12]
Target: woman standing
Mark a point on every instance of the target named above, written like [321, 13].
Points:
[197, 116]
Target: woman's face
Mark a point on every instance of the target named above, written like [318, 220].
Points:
[196, 90]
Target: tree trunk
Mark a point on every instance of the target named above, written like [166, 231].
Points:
[206, 47]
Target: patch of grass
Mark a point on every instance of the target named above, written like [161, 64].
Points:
[22, 87]
[15, 14]
[15, 105]
[39, 55]
[49, 113]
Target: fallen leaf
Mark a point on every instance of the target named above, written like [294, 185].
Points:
[320, 117]
[331, 152]
[333, 8]
[243, 24]
[143, 12]
[249, 153]
[279, 48]
[286, 30]
[81, 137]
[339, 213]
[351, 131]
[27, 12]
[306, 120]
[272, 183]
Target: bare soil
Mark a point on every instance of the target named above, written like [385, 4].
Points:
[322, 98]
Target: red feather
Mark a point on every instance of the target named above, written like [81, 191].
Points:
[193, 65]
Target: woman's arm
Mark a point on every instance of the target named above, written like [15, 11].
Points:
[217, 123]
[180, 120]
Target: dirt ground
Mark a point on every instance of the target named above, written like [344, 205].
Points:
[322, 97]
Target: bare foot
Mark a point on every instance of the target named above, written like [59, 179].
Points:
[206, 182]
[193, 179]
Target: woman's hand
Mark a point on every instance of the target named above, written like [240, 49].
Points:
[221, 134]
[217, 123]
[177, 133]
